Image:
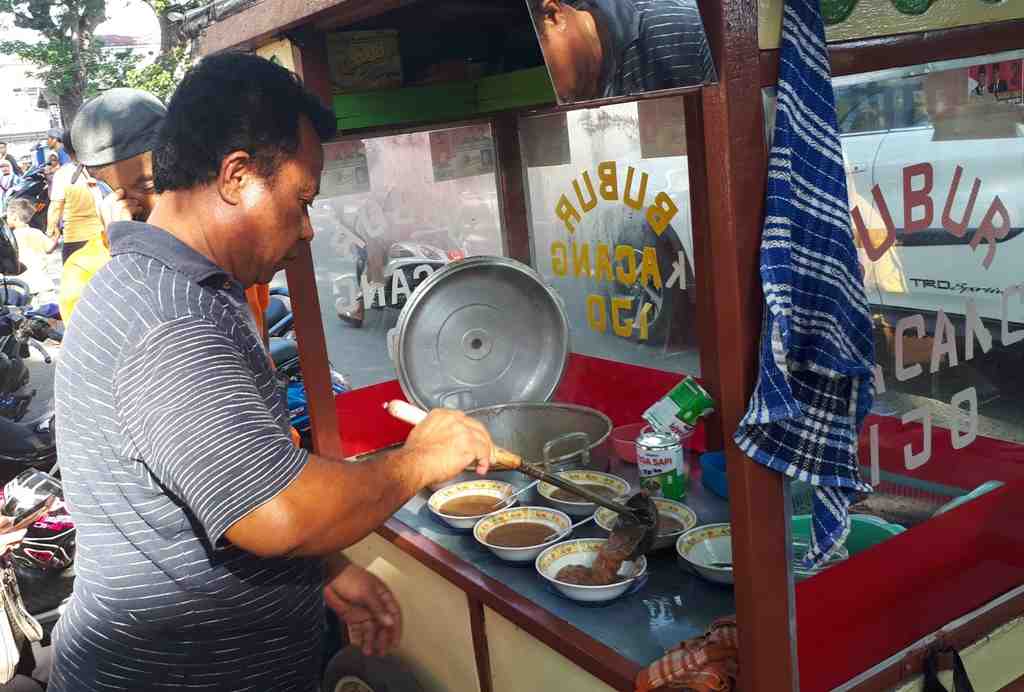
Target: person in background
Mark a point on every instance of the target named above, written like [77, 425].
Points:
[8, 179]
[51, 168]
[26, 163]
[75, 198]
[33, 248]
[54, 145]
[604, 48]
[4, 155]
[113, 136]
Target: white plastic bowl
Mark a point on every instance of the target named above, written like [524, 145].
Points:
[581, 477]
[605, 518]
[559, 522]
[583, 551]
[499, 490]
[703, 546]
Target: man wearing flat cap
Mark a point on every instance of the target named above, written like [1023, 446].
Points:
[113, 136]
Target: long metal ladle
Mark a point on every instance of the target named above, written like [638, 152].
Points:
[638, 510]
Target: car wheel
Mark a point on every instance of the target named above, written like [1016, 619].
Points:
[351, 671]
[659, 303]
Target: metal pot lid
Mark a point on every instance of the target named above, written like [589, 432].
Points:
[480, 332]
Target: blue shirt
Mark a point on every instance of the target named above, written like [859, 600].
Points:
[41, 154]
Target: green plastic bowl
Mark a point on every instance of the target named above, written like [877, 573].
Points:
[865, 531]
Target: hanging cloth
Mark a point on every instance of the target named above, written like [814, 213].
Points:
[815, 383]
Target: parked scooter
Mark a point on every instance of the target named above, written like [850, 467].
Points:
[408, 264]
[278, 315]
[22, 328]
[284, 352]
[34, 188]
[29, 500]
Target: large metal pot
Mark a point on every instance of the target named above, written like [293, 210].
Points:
[564, 435]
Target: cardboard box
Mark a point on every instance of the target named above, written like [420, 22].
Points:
[364, 60]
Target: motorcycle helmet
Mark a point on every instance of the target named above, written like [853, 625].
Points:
[49, 545]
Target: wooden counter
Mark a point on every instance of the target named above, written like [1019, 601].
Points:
[473, 622]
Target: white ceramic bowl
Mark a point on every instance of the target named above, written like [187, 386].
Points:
[605, 518]
[702, 546]
[559, 522]
[581, 477]
[583, 551]
[499, 490]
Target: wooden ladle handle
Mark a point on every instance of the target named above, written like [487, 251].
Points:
[504, 460]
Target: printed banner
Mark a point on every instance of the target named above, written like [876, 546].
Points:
[461, 152]
[346, 170]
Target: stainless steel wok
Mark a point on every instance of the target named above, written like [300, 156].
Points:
[564, 435]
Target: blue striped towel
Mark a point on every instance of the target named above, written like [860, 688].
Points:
[815, 384]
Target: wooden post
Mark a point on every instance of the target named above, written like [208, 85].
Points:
[514, 215]
[736, 166]
[310, 63]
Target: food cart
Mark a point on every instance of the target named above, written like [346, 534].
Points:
[928, 97]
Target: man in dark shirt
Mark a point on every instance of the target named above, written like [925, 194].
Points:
[605, 48]
[207, 542]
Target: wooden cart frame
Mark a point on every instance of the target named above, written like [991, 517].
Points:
[726, 142]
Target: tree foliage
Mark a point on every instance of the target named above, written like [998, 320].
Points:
[160, 77]
[72, 62]
[68, 52]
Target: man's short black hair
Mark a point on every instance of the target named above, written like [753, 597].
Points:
[233, 102]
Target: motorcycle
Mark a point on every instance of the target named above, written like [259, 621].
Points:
[33, 187]
[22, 329]
[407, 265]
[278, 315]
[284, 352]
[31, 504]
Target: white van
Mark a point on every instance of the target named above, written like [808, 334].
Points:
[935, 166]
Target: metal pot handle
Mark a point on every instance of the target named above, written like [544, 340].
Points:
[583, 452]
[392, 341]
[443, 399]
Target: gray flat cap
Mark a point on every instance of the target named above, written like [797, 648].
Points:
[116, 125]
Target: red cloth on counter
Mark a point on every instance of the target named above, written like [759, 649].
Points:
[709, 663]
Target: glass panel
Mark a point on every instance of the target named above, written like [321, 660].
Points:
[935, 165]
[391, 211]
[610, 230]
[937, 213]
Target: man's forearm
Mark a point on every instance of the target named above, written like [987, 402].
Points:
[330, 506]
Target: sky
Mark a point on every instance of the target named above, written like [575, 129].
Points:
[130, 18]
[126, 18]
